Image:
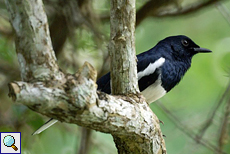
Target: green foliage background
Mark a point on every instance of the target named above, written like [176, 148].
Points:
[191, 101]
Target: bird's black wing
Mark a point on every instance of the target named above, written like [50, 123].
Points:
[148, 68]
[144, 60]
[104, 83]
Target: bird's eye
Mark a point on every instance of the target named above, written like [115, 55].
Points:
[185, 43]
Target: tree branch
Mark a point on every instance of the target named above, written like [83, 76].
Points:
[122, 47]
[36, 57]
[224, 128]
[209, 120]
[77, 101]
[151, 8]
[188, 9]
[166, 8]
[124, 75]
[190, 133]
[155, 8]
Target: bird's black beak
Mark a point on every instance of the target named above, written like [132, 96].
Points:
[202, 50]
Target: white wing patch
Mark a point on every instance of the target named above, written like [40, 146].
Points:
[151, 68]
[155, 91]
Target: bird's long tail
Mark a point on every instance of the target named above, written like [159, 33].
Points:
[45, 126]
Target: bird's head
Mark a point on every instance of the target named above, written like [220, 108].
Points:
[181, 47]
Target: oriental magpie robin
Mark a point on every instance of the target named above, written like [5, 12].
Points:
[159, 69]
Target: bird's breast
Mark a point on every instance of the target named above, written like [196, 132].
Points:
[154, 91]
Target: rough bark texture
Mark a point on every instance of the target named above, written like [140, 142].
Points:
[36, 57]
[135, 128]
[74, 98]
[122, 47]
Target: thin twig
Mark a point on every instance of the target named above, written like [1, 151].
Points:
[212, 114]
[224, 11]
[186, 130]
[223, 135]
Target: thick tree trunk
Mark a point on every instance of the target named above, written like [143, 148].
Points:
[74, 98]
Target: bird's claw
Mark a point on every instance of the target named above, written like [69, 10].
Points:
[161, 122]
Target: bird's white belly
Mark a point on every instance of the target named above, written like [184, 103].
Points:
[154, 92]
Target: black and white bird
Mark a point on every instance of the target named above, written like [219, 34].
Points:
[159, 69]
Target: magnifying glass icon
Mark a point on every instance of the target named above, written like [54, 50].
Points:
[9, 141]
